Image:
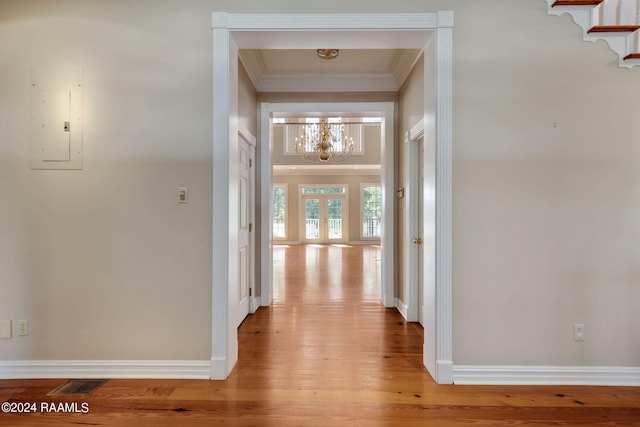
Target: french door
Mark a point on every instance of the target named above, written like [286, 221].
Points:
[323, 218]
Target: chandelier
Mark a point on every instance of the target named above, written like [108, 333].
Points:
[323, 141]
[327, 53]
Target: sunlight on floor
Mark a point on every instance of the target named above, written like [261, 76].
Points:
[326, 273]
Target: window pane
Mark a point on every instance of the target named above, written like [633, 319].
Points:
[279, 212]
[335, 218]
[371, 211]
[312, 219]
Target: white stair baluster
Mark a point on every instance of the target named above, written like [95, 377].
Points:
[627, 12]
[602, 14]
[624, 12]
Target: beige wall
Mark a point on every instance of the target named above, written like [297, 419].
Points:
[545, 191]
[247, 101]
[103, 262]
[545, 183]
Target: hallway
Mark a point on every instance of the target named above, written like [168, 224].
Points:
[327, 334]
[326, 353]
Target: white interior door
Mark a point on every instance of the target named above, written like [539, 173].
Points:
[245, 247]
[322, 219]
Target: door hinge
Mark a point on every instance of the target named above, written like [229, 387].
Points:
[249, 291]
[250, 163]
[250, 227]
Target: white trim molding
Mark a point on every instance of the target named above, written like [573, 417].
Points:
[385, 110]
[233, 32]
[329, 21]
[324, 83]
[444, 196]
[547, 375]
[246, 134]
[134, 369]
[403, 309]
[254, 303]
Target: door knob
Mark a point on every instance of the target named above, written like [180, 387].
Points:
[417, 241]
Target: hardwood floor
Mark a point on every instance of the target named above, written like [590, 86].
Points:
[327, 353]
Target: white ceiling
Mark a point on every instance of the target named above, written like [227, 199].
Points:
[354, 70]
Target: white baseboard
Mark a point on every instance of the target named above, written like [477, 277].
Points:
[402, 308]
[547, 375]
[162, 369]
[219, 368]
[254, 303]
[286, 242]
[215, 369]
[444, 374]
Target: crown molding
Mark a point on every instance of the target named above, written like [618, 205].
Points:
[403, 64]
[328, 83]
[254, 65]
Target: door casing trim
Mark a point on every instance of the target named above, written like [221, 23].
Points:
[233, 31]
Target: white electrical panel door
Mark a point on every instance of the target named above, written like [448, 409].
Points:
[56, 125]
[51, 129]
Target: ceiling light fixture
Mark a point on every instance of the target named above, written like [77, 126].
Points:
[327, 53]
[323, 141]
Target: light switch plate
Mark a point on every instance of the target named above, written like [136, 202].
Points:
[183, 195]
[578, 332]
[5, 328]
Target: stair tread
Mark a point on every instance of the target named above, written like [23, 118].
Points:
[576, 3]
[614, 29]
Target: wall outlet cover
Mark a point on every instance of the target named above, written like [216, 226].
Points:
[23, 328]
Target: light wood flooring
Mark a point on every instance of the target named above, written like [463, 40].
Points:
[327, 353]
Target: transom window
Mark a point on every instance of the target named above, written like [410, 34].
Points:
[324, 189]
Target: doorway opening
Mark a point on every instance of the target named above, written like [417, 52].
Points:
[385, 111]
[431, 32]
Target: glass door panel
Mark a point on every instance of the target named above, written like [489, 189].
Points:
[334, 218]
[312, 219]
[323, 219]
